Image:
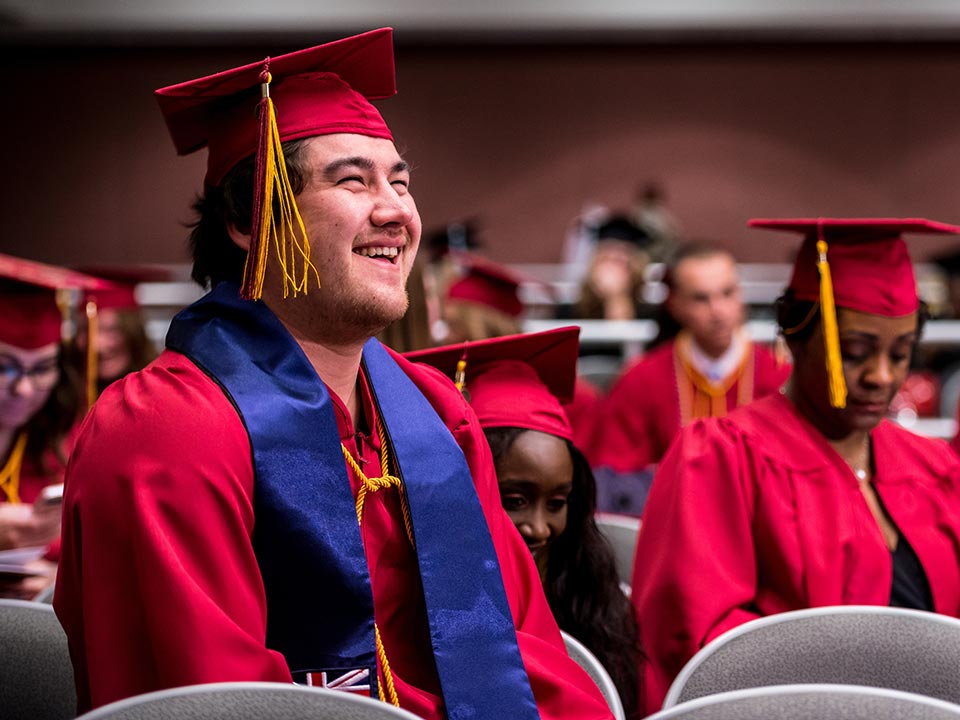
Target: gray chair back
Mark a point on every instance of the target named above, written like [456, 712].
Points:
[248, 701]
[588, 661]
[621, 531]
[907, 650]
[815, 701]
[36, 676]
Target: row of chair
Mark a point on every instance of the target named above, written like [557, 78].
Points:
[892, 650]
[36, 683]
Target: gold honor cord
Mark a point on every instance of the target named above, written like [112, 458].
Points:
[372, 485]
[10, 474]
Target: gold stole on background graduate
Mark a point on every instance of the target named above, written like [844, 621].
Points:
[697, 395]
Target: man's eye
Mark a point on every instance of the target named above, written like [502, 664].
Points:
[349, 179]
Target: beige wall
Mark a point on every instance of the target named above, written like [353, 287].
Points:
[518, 136]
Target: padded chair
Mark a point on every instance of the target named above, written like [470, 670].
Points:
[907, 650]
[36, 676]
[588, 661]
[248, 701]
[621, 531]
[803, 702]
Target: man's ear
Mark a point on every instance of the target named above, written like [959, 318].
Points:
[242, 240]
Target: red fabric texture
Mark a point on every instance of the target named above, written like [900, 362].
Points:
[640, 415]
[510, 393]
[159, 586]
[755, 514]
[583, 412]
[29, 321]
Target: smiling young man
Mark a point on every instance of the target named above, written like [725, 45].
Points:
[279, 497]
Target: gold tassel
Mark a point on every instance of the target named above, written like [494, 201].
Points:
[284, 227]
[460, 379]
[92, 317]
[831, 334]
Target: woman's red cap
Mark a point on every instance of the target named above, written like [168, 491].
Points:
[869, 263]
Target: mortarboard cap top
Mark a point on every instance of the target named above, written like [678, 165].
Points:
[620, 227]
[29, 314]
[515, 380]
[869, 263]
[318, 91]
[121, 294]
[487, 283]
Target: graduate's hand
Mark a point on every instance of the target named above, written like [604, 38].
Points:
[23, 525]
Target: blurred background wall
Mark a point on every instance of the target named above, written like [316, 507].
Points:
[519, 116]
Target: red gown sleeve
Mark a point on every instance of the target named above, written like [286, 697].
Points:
[158, 506]
[642, 399]
[561, 688]
[694, 574]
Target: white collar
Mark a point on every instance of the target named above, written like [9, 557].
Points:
[716, 369]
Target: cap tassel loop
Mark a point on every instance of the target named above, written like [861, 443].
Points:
[831, 333]
[276, 218]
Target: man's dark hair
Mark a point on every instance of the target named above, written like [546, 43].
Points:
[698, 249]
[215, 256]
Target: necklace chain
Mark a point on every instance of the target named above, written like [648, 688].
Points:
[861, 469]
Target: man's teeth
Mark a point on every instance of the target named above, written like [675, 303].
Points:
[390, 252]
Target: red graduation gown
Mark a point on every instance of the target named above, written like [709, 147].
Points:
[641, 414]
[756, 514]
[159, 585]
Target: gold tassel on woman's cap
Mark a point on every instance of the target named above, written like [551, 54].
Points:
[831, 333]
[276, 218]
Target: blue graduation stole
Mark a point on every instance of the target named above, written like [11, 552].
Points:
[307, 540]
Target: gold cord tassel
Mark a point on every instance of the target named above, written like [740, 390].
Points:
[92, 317]
[831, 334]
[276, 219]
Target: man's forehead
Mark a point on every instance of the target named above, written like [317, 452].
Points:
[701, 272]
[323, 150]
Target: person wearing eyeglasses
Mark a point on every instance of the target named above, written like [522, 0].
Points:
[40, 401]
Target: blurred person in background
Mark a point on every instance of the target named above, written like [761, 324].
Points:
[811, 497]
[709, 368]
[121, 343]
[612, 288]
[41, 401]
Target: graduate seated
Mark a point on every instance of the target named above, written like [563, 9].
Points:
[41, 400]
[706, 369]
[812, 497]
[516, 385]
[279, 497]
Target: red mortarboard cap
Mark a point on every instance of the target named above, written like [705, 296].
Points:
[857, 263]
[121, 294]
[869, 262]
[29, 314]
[487, 283]
[318, 91]
[515, 380]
